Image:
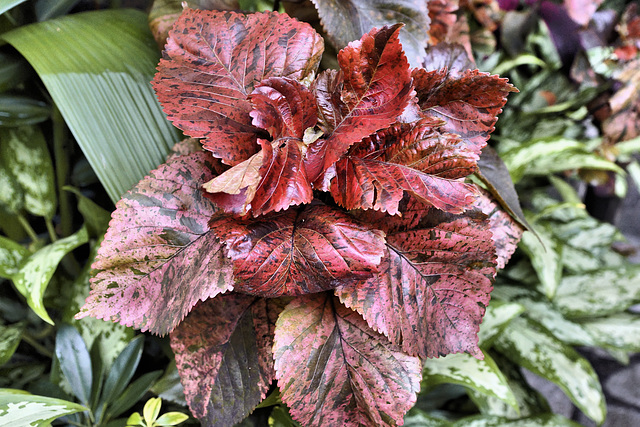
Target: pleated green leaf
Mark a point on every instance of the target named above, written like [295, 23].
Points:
[97, 68]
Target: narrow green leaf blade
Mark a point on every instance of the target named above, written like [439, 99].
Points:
[530, 346]
[97, 69]
[36, 272]
[132, 394]
[483, 376]
[545, 254]
[540, 420]
[21, 409]
[75, 362]
[122, 370]
[620, 331]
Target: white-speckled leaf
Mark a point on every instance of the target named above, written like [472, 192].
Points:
[599, 293]
[21, 409]
[11, 255]
[620, 330]
[495, 319]
[10, 337]
[545, 254]
[540, 420]
[25, 158]
[529, 345]
[36, 271]
[484, 376]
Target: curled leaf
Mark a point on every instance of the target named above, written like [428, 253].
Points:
[299, 251]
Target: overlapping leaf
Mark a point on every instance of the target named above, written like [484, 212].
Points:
[420, 159]
[214, 61]
[468, 101]
[433, 284]
[332, 369]
[375, 87]
[299, 251]
[158, 258]
[223, 354]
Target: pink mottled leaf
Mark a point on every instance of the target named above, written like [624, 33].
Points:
[433, 284]
[419, 158]
[469, 101]
[332, 369]
[223, 354]
[299, 251]
[159, 258]
[213, 61]
[375, 87]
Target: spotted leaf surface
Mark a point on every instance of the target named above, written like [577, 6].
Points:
[375, 87]
[158, 258]
[299, 251]
[332, 369]
[223, 355]
[213, 61]
[419, 158]
[433, 284]
[469, 101]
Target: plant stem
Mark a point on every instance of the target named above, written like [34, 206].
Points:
[27, 227]
[26, 337]
[51, 229]
[62, 171]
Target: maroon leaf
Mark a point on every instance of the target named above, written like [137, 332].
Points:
[418, 158]
[433, 285]
[223, 354]
[332, 369]
[469, 101]
[375, 88]
[299, 251]
[443, 18]
[283, 107]
[505, 229]
[213, 61]
[158, 258]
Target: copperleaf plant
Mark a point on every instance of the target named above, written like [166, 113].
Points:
[325, 236]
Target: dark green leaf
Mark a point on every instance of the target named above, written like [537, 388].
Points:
[10, 337]
[132, 394]
[13, 70]
[47, 9]
[169, 386]
[96, 218]
[75, 362]
[17, 110]
[122, 371]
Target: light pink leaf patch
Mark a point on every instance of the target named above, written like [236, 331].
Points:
[223, 354]
[158, 258]
[332, 369]
[433, 285]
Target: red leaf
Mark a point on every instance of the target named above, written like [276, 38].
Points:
[299, 251]
[434, 282]
[469, 101]
[223, 354]
[333, 370]
[376, 87]
[506, 232]
[158, 258]
[283, 107]
[418, 158]
[213, 62]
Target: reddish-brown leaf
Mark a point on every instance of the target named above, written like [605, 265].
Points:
[434, 282]
[505, 230]
[299, 251]
[333, 370]
[375, 87]
[213, 61]
[283, 107]
[158, 258]
[443, 19]
[469, 102]
[223, 354]
[418, 158]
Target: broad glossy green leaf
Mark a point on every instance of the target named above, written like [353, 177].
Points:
[36, 271]
[529, 345]
[18, 110]
[599, 293]
[75, 362]
[21, 409]
[541, 420]
[484, 376]
[620, 331]
[496, 318]
[24, 156]
[97, 69]
[545, 254]
[11, 256]
[168, 387]
[545, 156]
[10, 337]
